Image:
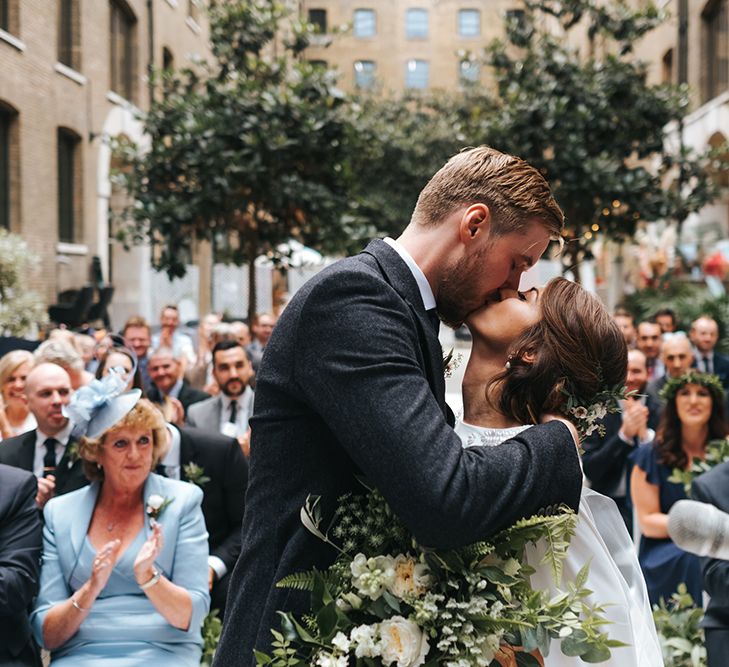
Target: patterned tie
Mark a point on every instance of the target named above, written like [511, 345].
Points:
[233, 412]
[49, 460]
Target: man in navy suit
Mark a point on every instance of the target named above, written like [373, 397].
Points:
[677, 357]
[20, 549]
[48, 450]
[606, 456]
[704, 335]
[351, 386]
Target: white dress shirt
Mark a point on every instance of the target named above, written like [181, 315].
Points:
[426, 292]
[61, 438]
[243, 414]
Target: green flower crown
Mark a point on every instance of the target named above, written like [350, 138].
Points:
[711, 382]
[587, 414]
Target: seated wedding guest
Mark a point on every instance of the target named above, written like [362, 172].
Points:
[606, 458]
[626, 323]
[704, 335]
[124, 578]
[262, 327]
[138, 337]
[165, 372]
[171, 336]
[241, 332]
[713, 487]
[48, 451]
[20, 549]
[693, 415]
[211, 331]
[229, 411]
[677, 357]
[195, 454]
[648, 341]
[66, 356]
[121, 357]
[666, 319]
[15, 417]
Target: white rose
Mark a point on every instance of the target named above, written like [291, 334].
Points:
[364, 639]
[411, 578]
[403, 642]
[155, 501]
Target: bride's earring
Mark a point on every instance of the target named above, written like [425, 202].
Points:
[507, 365]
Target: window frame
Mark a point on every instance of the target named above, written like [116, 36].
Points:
[461, 13]
[322, 26]
[123, 25]
[6, 118]
[362, 10]
[372, 74]
[68, 182]
[408, 69]
[420, 12]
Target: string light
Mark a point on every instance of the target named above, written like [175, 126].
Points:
[606, 211]
[616, 203]
[588, 235]
[595, 227]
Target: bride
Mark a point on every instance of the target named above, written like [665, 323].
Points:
[530, 352]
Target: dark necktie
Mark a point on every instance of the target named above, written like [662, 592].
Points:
[707, 364]
[233, 412]
[434, 319]
[49, 460]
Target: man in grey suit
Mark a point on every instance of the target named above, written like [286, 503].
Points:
[351, 386]
[229, 411]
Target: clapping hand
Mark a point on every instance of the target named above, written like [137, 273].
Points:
[103, 565]
[144, 562]
[46, 490]
[635, 420]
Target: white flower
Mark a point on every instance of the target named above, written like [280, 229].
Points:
[403, 642]
[411, 578]
[324, 659]
[599, 410]
[364, 639]
[580, 412]
[371, 576]
[341, 641]
[154, 502]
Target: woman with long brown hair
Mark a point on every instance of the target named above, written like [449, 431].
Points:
[559, 352]
[693, 416]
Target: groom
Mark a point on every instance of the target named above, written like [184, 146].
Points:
[351, 385]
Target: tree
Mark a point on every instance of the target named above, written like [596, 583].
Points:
[248, 153]
[591, 124]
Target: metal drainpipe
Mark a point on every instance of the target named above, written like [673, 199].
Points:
[150, 43]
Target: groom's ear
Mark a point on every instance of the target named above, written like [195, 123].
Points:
[475, 223]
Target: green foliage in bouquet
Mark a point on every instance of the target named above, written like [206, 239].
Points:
[211, 629]
[21, 310]
[717, 451]
[387, 599]
[679, 631]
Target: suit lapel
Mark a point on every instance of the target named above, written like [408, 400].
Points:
[398, 275]
[217, 413]
[82, 517]
[26, 455]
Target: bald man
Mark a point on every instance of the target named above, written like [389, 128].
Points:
[704, 335]
[48, 451]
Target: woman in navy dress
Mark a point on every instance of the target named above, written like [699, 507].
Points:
[124, 574]
[693, 415]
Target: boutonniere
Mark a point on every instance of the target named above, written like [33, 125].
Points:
[195, 474]
[451, 362]
[156, 504]
[72, 453]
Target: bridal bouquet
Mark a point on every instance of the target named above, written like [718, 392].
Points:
[388, 600]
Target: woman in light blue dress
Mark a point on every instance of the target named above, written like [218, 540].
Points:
[124, 579]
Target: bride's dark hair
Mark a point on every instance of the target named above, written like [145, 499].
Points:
[575, 347]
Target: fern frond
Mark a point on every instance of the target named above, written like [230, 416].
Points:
[300, 581]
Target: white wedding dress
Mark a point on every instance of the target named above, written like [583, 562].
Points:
[615, 579]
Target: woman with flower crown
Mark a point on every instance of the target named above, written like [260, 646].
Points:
[124, 579]
[558, 351]
[692, 417]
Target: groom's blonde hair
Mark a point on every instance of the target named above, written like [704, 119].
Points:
[515, 192]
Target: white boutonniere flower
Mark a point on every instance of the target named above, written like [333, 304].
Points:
[156, 504]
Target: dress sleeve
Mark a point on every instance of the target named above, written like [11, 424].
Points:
[53, 586]
[190, 570]
[645, 458]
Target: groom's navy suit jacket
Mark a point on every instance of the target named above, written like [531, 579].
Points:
[351, 384]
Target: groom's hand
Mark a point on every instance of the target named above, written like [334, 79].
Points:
[560, 418]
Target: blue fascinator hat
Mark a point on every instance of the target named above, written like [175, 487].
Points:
[100, 404]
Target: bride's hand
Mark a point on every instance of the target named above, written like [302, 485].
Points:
[560, 418]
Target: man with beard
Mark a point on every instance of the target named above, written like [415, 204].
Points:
[229, 411]
[351, 387]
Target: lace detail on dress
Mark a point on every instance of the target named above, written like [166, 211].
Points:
[471, 435]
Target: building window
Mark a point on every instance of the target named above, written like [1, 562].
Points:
[416, 23]
[469, 22]
[122, 48]
[468, 72]
[69, 42]
[667, 67]
[193, 10]
[516, 18]
[9, 16]
[417, 73]
[364, 74]
[365, 24]
[69, 184]
[318, 18]
[5, 120]
[715, 77]
[168, 60]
